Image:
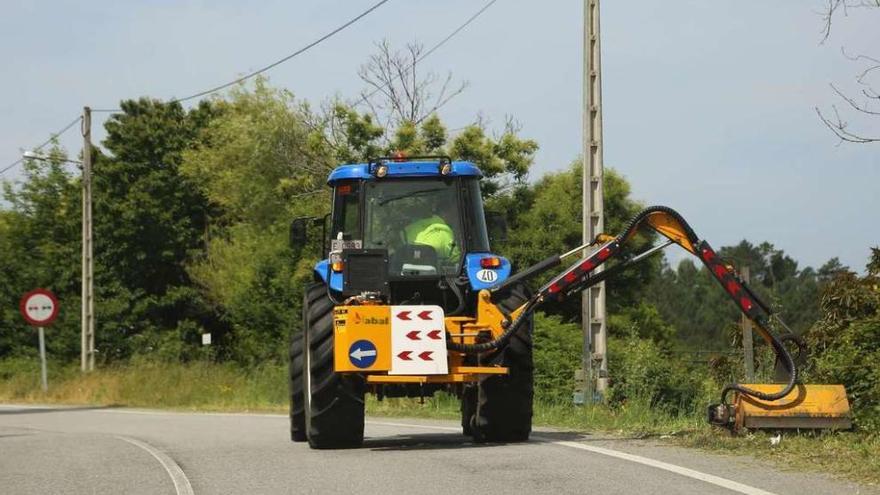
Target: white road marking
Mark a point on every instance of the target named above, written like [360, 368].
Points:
[683, 471]
[181, 483]
[672, 468]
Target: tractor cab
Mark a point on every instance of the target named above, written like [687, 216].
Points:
[412, 230]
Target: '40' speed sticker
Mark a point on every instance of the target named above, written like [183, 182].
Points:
[487, 276]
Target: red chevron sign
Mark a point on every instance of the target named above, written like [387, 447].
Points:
[424, 356]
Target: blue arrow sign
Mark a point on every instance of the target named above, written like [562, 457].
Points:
[362, 353]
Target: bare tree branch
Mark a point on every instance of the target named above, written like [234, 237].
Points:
[839, 127]
[835, 6]
[852, 103]
[837, 124]
[398, 91]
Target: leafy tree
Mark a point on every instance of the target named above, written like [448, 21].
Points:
[353, 137]
[265, 166]
[40, 247]
[148, 219]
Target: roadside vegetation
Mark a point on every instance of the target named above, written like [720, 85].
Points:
[192, 209]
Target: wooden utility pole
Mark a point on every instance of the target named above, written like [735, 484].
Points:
[748, 345]
[88, 287]
[594, 362]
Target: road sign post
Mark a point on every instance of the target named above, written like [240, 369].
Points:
[43, 379]
[39, 308]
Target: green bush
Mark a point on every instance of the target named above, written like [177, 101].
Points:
[557, 355]
[846, 341]
[641, 371]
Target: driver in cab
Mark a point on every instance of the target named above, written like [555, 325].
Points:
[431, 230]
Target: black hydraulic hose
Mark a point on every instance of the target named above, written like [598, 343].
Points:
[781, 351]
[637, 220]
[453, 286]
[502, 339]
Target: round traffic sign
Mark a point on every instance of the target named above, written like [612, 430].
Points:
[39, 307]
[362, 353]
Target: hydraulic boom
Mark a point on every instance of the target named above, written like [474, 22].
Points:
[668, 223]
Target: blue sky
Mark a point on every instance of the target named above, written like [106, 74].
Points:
[708, 105]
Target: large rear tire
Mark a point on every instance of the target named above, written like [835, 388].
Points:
[295, 375]
[500, 409]
[334, 403]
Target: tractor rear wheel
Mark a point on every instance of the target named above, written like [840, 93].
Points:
[500, 409]
[333, 403]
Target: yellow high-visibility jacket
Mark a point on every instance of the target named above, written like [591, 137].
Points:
[434, 232]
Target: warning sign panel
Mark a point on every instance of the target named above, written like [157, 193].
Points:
[362, 338]
[418, 341]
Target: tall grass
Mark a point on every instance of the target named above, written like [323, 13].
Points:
[194, 386]
[225, 387]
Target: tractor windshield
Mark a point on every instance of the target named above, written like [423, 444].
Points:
[418, 221]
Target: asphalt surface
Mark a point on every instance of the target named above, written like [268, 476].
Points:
[112, 450]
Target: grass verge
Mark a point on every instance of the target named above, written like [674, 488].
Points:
[218, 387]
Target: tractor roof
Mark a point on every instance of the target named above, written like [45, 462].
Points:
[414, 168]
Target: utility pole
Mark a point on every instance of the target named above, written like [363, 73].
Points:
[88, 287]
[748, 346]
[594, 362]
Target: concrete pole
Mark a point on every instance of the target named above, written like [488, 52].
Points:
[88, 288]
[594, 362]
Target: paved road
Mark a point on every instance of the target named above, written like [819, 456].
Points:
[98, 450]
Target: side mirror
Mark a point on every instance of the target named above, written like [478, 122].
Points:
[496, 225]
[298, 233]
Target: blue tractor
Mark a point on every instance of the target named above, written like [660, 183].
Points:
[411, 300]
[407, 256]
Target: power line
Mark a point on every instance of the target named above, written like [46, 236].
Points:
[222, 86]
[285, 59]
[268, 67]
[51, 138]
[434, 48]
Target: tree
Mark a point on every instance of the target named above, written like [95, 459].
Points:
[865, 102]
[845, 342]
[397, 94]
[148, 220]
[40, 247]
[265, 165]
[402, 116]
[702, 313]
[504, 158]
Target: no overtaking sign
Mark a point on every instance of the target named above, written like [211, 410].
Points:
[39, 307]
